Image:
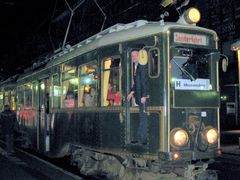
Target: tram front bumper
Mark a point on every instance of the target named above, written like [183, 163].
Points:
[188, 155]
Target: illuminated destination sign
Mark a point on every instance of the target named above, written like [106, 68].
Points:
[198, 84]
[190, 39]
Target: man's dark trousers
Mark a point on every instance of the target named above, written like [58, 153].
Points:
[143, 124]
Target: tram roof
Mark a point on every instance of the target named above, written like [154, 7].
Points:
[10, 82]
[115, 34]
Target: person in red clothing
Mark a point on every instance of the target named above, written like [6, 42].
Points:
[110, 95]
[117, 99]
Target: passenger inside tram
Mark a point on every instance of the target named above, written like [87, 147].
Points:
[90, 98]
[69, 100]
[110, 95]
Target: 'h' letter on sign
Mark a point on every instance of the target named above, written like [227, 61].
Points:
[178, 83]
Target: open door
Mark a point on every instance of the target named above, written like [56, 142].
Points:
[131, 108]
[136, 113]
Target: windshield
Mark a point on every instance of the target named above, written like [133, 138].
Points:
[190, 70]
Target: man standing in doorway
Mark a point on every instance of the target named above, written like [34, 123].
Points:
[8, 121]
[140, 92]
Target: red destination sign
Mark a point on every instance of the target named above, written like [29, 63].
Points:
[190, 39]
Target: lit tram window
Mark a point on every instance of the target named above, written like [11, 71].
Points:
[20, 97]
[56, 94]
[111, 82]
[88, 84]
[1, 101]
[28, 95]
[69, 85]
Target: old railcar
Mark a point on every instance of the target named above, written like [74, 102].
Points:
[183, 112]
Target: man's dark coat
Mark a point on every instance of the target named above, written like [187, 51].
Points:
[140, 86]
[8, 120]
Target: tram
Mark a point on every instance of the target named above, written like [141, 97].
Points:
[65, 108]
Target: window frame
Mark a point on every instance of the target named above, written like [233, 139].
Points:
[1, 99]
[79, 85]
[62, 80]
[52, 91]
[21, 87]
[30, 105]
[120, 77]
[35, 99]
[158, 63]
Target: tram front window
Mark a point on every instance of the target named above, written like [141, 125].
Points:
[191, 71]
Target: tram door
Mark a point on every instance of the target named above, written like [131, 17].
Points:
[44, 119]
[131, 108]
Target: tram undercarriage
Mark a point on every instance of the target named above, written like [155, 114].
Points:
[94, 163]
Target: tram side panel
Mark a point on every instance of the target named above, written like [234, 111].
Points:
[74, 128]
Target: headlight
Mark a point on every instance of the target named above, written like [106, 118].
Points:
[192, 15]
[179, 137]
[211, 134]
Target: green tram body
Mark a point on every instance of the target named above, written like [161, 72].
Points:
[55, 130]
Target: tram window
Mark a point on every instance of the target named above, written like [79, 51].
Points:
[111, 82]
[6, 97]
[55, 94]
[154, 63]
[70, 95]
[20, 97]
[88, 84]
[69, 86]
[193, 71]
[1, 100]
[35, 95]
[28, 95]
[9, 99]
[13, 100]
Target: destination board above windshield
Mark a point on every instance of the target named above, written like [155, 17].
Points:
[190, 39]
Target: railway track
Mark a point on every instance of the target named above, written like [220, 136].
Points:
[37, 164]
[62, 164]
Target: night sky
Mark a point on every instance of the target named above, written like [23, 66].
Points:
[21, 22]
[32, 28]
